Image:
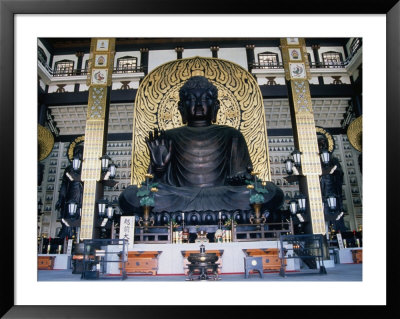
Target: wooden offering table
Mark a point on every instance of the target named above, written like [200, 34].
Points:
[46, 262]
[270, 257]
[186, 253]
[142, 262]
[357, 255]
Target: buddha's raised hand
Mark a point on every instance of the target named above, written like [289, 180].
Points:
[160, 149]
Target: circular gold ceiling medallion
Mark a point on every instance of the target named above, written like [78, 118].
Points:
[354, 133]
[45, 142]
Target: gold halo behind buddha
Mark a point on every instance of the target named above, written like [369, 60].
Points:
[241, 107]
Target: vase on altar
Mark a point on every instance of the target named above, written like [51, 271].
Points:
[146, 221]
[257, 218]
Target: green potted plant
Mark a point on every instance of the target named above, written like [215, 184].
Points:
[145, 193]
[257, 189]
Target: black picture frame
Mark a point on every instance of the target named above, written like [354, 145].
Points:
[8, 10]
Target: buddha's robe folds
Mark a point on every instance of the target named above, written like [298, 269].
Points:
[195, 179]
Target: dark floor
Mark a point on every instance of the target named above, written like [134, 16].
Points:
[341, 272]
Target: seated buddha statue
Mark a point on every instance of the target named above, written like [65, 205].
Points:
[200, 166]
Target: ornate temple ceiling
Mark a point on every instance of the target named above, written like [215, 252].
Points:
[328, 113]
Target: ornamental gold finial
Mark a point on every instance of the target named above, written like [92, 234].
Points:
[197, 69]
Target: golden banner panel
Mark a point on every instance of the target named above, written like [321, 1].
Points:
[88, 209]
[297, 71]
[295, 59]
[99, 78]
[102, 53]
[97, 102]
[241, 106]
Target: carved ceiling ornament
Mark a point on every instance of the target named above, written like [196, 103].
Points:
[241, 107]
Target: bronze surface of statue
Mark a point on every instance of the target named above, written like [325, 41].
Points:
[71, 190]
[331, 184]
[201, 166]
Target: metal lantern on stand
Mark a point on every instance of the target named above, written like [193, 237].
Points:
[110, 211]
[296, 157]
[105, 160]
[301, 201]
[331, 200]
[293, 206]
[102, 204]
[72, 208]
[113, 170]
[289, 166]
[76, 163]
[325, 157]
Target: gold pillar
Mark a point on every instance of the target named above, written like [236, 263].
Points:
[101, 63]
[297, 73]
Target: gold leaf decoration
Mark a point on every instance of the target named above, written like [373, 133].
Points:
[241, 107]
[354, 133]
[328, 136]
[45, 142]
[71, 147]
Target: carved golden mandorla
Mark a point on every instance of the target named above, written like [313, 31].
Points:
[241, 107]
[71, 147]
[328, 136]
[45, 142]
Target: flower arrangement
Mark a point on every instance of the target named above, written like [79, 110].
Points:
[146, 193]
[228, 223]
[257, 197]
[173, 223]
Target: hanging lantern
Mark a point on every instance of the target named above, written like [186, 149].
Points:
[289, 166]
[325, 157]
[297, 157]
[293, 206]
[301, 201]
[110, 211]
[113, 170]
[72, 207]
[76, 163]
[105, 160]
[102, 203]
[331, 199]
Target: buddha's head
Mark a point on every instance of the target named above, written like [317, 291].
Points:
[198, 102]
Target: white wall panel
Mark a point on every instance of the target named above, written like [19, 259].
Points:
[188, 53]
[158, 57]
[83, 87]
[67, 88]
[329, 80]
[235, 55]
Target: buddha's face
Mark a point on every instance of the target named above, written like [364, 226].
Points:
[198, 104]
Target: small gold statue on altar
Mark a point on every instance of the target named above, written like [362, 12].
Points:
[202, 237]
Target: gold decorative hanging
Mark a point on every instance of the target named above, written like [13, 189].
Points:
[241, 107]
[354, 133]
[45, 142]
